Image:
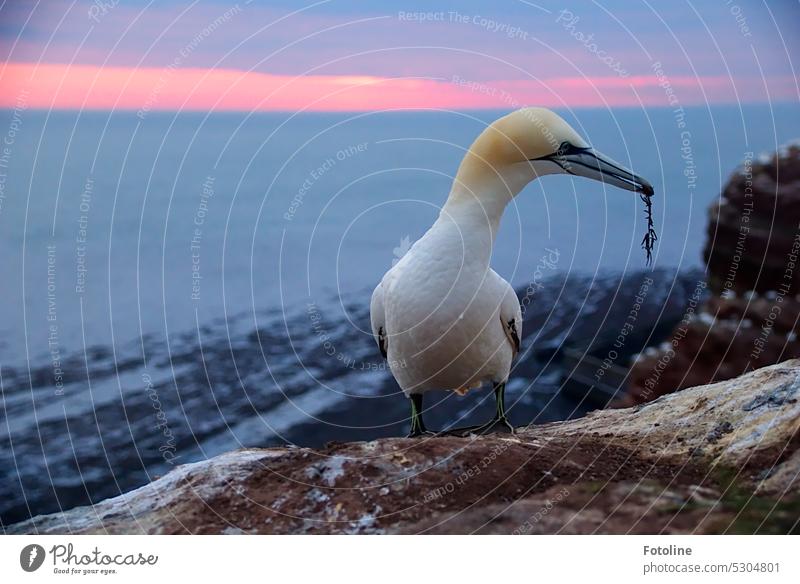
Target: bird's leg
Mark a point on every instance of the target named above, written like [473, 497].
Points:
[417, 425]
[499, 423]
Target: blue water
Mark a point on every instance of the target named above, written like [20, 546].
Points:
[184, 252]
[392, 173]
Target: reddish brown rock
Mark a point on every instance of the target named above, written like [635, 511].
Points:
[751, 317]
[711, 459]
[753, 228]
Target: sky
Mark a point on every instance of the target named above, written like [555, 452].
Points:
[363, 56]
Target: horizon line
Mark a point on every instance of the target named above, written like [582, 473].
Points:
[420, 109]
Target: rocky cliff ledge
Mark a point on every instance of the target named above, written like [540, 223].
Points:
[710, 459]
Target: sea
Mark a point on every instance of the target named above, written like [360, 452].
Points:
[177, 285]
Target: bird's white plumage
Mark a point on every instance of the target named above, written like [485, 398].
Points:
[442, 316]
[445, 320]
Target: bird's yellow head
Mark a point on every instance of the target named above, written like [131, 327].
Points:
[538, 141]
[530, 143]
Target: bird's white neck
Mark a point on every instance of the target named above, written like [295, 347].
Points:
[477, 201]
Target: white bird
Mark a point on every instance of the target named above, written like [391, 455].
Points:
[441, 316]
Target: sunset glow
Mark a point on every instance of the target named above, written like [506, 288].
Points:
[56, 86]
[351, 56]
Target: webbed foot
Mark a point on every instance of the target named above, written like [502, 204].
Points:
[494, 426]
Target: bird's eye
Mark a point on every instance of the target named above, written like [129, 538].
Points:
[564, 149]
[569, 148]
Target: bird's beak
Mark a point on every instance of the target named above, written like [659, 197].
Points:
[592, 164]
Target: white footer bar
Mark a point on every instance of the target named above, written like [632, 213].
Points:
[401, 559]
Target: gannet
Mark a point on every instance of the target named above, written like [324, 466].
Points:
[442, 318]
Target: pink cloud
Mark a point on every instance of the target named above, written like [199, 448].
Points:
[60, 86]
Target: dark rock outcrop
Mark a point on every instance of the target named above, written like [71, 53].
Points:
[711, 459]
[753, 226]
[751, 314]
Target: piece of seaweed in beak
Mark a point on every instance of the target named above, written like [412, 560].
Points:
[650, 238]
